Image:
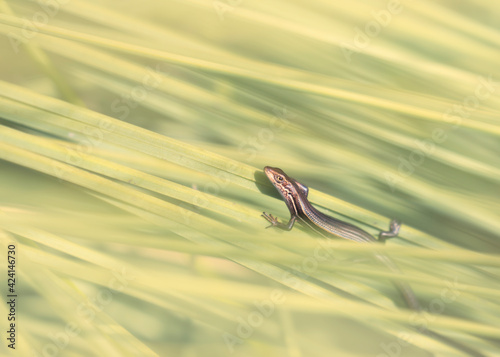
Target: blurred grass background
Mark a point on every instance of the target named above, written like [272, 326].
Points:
[132, 142]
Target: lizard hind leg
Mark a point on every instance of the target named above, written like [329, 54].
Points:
[393, 231]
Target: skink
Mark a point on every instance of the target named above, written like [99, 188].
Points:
[295, 196]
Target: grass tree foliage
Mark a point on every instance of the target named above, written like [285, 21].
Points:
[132, 141]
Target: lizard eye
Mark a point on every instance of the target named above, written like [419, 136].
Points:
[279, 178]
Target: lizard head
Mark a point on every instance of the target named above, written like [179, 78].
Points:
[282, 182]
